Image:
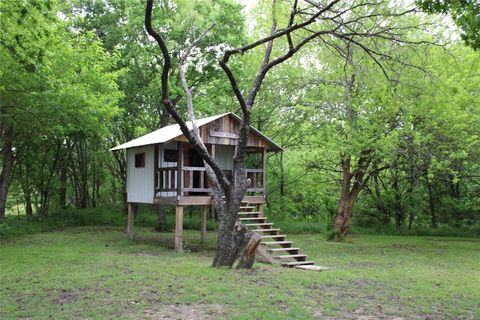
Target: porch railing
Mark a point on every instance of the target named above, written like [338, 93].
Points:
[194, 179]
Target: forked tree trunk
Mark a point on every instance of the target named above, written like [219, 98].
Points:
[348, 197]
[227, 204]
[227, 244]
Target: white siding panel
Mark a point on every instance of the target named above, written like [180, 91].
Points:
[140, 180]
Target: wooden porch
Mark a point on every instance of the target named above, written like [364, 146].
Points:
[192, 186]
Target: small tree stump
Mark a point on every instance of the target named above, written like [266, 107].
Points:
[247, 243]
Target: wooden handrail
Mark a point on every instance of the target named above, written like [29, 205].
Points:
[167, 180]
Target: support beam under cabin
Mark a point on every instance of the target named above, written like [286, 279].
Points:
[179, 228]
[131, 220]
[203, 223]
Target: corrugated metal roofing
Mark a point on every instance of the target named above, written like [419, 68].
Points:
[173, 131]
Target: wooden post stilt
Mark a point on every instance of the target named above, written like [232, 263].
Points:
[179, 229]
[131, 220]
[260, 209]
[203, 224]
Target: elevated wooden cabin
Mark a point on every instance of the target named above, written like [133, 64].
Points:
[164, 168]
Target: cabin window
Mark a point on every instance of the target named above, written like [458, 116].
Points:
[140, 160]
[170, 155]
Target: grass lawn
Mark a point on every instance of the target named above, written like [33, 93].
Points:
[94, 272]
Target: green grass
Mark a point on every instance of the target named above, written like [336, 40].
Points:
[95, 273]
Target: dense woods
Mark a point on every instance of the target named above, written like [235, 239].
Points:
[378, 113]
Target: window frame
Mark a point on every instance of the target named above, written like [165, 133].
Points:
[172, 154]
[139, 160]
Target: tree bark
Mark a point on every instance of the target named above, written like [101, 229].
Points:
[247, 247]
[342, 219]
[349, 195]
[344, 211]
[7, 168]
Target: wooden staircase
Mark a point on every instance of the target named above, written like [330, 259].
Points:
[282, 250]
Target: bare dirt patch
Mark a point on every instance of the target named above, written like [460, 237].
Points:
[181, 311]
[66, 296]
[373, 300]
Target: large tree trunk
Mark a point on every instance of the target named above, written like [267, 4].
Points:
[7, 167]
[342, 219]
[226, 250]
[350, 192]
[344, 211]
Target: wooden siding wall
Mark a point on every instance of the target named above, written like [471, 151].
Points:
[224, 130]
[140, 187]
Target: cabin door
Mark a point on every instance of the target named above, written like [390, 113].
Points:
[194, 160]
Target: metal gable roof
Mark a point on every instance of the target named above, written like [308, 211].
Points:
[173, 131]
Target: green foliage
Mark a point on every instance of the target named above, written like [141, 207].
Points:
[15, 226]
[78, 77]
[466, 15]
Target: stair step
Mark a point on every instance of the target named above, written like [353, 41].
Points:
[247, 207]
[297, 263]
[253, 218]
[248, 212]
[271, 243]
[283, 249]
[265, 230]
[291, 256]
[274, 236]
[266, 224]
